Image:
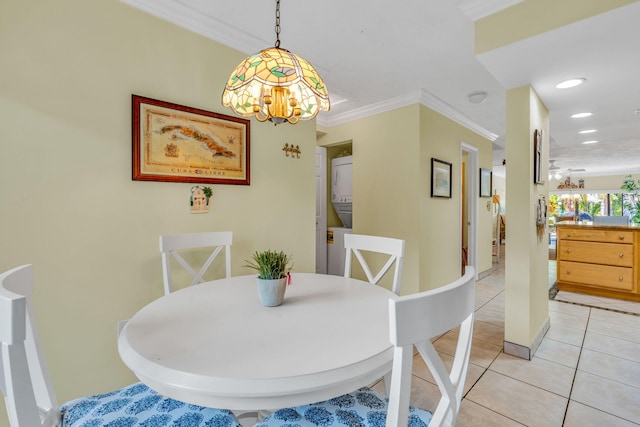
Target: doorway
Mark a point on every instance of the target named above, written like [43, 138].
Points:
[326, 215]
[469, 204]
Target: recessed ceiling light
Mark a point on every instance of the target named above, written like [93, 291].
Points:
[588, 131]
[590, 142]
[570, 83]
[581, 115]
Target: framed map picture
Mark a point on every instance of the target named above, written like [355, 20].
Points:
[176, 143]
[440, 178]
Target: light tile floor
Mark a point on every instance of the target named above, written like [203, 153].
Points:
[586, 372]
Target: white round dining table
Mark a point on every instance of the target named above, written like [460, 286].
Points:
[214, 344]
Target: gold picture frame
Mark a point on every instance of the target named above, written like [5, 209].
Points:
[176, 143]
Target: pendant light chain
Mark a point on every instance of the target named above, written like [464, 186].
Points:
[278, 23]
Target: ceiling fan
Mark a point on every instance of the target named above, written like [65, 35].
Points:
[557, 173]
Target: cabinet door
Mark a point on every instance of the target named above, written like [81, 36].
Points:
[602, 276]
[596, 253]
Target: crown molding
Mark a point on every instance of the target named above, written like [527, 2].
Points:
[438, 105]
[422, 97]
[369, 110]
[182, 15]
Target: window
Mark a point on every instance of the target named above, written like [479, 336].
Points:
[587, 205]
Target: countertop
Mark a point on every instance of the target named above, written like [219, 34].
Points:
[590, 224]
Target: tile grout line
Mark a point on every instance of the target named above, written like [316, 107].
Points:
[597, 307]
[575, 373]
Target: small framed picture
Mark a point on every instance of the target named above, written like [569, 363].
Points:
[440, 178]
[537, 157]
[485, 182]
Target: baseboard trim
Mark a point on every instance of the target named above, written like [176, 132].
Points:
[525, 352]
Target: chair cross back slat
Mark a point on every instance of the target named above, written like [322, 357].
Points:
[172, 244]
[21, 355]
[385, 245]
[197, 275]
[28, 391]
[414, 321]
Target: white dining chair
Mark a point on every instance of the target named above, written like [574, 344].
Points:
[173, 245]
[413, 321]
[385, 245]
[29, 395]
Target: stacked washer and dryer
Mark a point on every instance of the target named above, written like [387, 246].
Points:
[341, 189]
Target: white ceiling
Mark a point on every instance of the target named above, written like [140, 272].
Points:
[376, 56]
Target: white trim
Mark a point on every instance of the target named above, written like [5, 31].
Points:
[422, 97]
[370, 110]
[181, 14]
[472, 203]
[321, 196]
[438, 105]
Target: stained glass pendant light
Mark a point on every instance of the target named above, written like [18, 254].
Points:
[276, 85]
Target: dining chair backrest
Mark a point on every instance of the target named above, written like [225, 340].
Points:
[24, 377]
[171, 245]
[386, 245]
[413, 321]
[28, 391]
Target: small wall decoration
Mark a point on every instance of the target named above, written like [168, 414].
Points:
[177, 143]
[290, 149]
[537, 157]
[200, 199]
[440, 178]
[567, 184]
[541, 218]
[485, 182]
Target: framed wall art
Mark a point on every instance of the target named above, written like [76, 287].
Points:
[176, 143]
[537, 157]
[440, 178]
[485, 182]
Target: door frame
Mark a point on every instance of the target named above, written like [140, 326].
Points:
[471, 202]
[321, 210]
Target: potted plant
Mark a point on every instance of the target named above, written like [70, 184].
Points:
[273, 269]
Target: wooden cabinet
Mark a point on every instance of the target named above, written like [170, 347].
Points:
[599, 260]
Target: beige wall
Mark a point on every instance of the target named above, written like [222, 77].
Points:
[531, 17]
[69, 205]
[441, 218]
[526, 270]
[391, 192]
[384, 148]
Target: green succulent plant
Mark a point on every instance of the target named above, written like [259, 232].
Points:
[270, 264]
